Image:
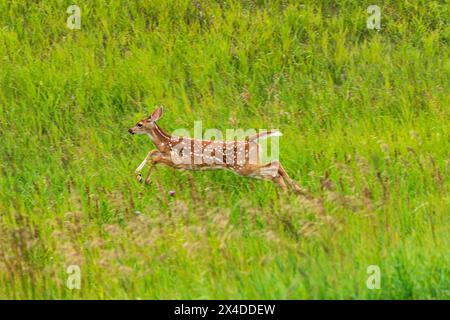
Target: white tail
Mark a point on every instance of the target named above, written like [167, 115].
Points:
[265, 135]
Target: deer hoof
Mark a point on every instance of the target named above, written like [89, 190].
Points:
[139, 178]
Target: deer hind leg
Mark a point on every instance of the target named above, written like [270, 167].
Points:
[279, 180]
[275, 172]
[270, 171]
[292, 183]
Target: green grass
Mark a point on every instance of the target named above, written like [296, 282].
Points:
[364, 116]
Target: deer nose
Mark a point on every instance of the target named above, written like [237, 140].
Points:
[131, 131]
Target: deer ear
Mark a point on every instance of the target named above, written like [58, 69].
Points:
[157, 114]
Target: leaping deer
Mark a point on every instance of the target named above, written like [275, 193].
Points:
[241, 157]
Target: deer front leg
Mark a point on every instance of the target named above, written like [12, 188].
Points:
[138, 171]
[158, 159]
[152, 164]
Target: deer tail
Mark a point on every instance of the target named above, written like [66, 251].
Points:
[265, 135]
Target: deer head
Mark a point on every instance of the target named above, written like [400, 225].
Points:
[146, 125]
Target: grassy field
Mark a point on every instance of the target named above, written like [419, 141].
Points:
[365, 121]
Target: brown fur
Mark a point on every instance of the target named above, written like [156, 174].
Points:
[233, 155]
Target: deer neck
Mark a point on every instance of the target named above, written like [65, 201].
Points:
[159, 137]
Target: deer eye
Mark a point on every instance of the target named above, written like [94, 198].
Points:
[139, 125]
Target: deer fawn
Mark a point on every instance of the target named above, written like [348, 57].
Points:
[241, 157]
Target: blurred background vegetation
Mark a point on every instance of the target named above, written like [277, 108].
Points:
[364, 116]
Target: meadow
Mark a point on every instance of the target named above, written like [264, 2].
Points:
[365, 120]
